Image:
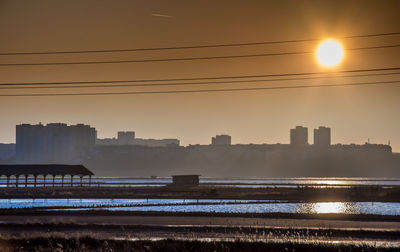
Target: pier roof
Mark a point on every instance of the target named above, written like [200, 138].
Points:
[44, 169]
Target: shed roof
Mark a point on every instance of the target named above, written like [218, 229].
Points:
[44, 169]
[185, 176]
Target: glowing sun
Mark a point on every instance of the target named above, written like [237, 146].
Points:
[329, 53]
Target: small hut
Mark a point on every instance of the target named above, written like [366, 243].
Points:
[185, 180]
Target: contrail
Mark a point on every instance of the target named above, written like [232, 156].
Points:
[161, 15]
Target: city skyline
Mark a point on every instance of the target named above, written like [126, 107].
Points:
[127, 155]
[299, 135]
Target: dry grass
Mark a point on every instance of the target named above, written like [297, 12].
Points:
[75, 237]
[93, 244]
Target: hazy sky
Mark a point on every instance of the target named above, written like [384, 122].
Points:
[354, 113]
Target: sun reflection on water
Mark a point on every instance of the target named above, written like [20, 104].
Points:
[329, 207]
[330, 182]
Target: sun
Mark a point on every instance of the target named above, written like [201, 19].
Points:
[329, 53]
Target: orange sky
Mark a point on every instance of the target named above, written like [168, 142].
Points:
[354, 113]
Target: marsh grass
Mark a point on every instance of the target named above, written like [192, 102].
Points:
[86, 243]
[74, 237]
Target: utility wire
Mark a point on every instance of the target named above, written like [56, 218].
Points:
[204, 90]
[196, 46]
[184, 59]
[193, 83]
[209, 78]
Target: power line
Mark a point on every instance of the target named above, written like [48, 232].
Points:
[204, 90]
[209, 78]
[184, 59]
[190, 83]
[196, 46]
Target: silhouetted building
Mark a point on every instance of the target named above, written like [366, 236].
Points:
[299, 136]
[53, 143]
[221, 140]
[185, 180]
[7, 151]
[322, 137]
[156, 142]
[107, 141]
[126, 137]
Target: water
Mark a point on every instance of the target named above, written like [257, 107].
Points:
[211, 206]
[219, 206]
[268, 182]
[385, 208]
[25, 203]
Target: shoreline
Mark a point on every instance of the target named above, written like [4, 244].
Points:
[28, 212]
[304, 194]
